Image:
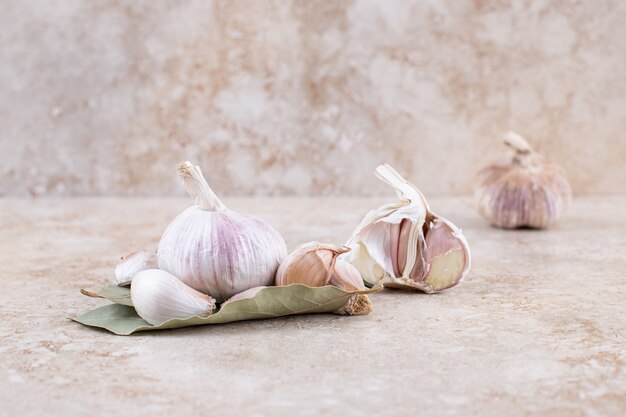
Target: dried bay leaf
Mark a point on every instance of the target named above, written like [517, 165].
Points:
[270, 302]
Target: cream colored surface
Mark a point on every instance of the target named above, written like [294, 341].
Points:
[538, 328]
[305, 97]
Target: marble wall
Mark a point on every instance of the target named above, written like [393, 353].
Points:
[280, 97]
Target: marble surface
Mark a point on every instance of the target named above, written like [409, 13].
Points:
[538, 328]
[280, 97]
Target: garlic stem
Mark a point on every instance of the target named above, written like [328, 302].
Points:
[517, 143]
[197, 187]
[405, 189]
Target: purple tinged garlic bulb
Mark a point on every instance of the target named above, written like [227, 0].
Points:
[405, 245]
[525, 191]
[215, 250]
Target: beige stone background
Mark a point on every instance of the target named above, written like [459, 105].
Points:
[305, 97]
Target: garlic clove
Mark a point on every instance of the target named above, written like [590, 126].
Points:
[448, 256]
[310, 264]
[346, 276]
[525, 191]
[371, 271]
[158, 296]
[132, 263]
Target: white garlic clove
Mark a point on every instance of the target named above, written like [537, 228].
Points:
[405, 245]
[130, 264]
[216, 250]
[158, 296]
[525, 191]
[310, 264]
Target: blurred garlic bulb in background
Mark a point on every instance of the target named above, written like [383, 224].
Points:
[158, 297]
[316, 264]
[132, 263]
[215, 250]
[526, 191]
[405, 245]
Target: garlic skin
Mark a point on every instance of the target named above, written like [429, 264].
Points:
[132, 263]
[317, 264]
[405, 245]
[525, 191]
[158, 297]
[215, 250]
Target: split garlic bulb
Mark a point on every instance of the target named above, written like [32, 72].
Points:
[158, 297]
[526, 191]
[132, 263]
[316, 264]
[405, 245]
[215, 250]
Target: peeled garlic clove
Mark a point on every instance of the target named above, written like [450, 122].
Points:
[158, 296]
[215, 250]
[310, 264]
[244, 295]
[133, 263]
[405, 245]
[526, 191]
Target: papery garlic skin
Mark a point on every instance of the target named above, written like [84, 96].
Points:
[215, 250]
[526, 191]
[158, 296]
[405, 245]
[132, 263]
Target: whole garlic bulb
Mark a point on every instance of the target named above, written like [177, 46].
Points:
[215, 250]
[405, 245]
[526, 191]
[317, 264]
[158, 297]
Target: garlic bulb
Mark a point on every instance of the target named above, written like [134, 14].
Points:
[130, 264]
[405, 245]
[316, 264]
[526, 191]
[215, 250]
[158, 296]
